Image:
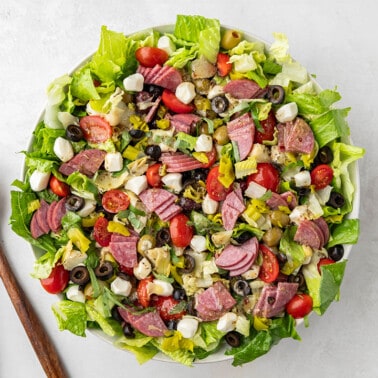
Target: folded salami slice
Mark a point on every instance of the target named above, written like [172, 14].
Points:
[242, 131]
[309, 233]
[177, 162]
[232, 207]
[166, 76]
[242, 88]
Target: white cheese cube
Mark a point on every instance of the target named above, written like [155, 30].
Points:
[173, 181]
[160, 287]
[89, 207]
[227, 322]
[113, 161]
[324, 194]
[209, 206]
[121, 287]
[137, 184]
[255, 190]
[39, 180]
[186, 92]
[187, 326]
[287, 112]
[134, 82]
[302, 178]
[198, 243]
[143, 269]
[215, 91]
[166, 44]
[63, 149]
[204, 143]
[67, 119]
[75, 294]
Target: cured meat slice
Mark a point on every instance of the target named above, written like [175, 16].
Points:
[86, 162]
[290, 199]
[184, 122]
[232, 207]
[122, 238]
[166, 76]
[242, 88]
[125, 252]
[310, 234]
[153, 198]
[169, 212]
[148, 323]
[273, 299]
[35, 230]
[242, 131]
[322, 224]
[50, 213]
[214, 302]
[41, 215]
[58, 212]
[177, 162]
[230, 256]
[284, 199]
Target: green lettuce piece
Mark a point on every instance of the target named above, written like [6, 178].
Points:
[181, 57]
[345, 233]
[323, 287]
[343, 156]
[185, 142]
[202, 224]
[207, 339]
[56, 95]
[108, 325]
[71, 316]
[140, 346]
[82, 85]
[293, 251]
[278, 50]
[183, 356]
[82, 185]
[260, 342]
[45, 263]
[201, 30]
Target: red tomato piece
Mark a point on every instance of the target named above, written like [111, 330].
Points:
[173, 103]
[212, 157]
[101, 233]
[95, 129]
[321, 176]
[267, 176]
[214, 187]
[324, 261]
[142, 291]
[115, 200]
[181, 232]
[151, 56]
[165, 306]
[59, 188]
[270, 268]
[57, 281]
[153, 176]
[299, 306]
[268, 126]
[223, 65]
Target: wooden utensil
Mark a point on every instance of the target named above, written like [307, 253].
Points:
[38, 337]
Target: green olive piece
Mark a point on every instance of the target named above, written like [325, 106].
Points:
[221, 135]
[272, 236]
[279, 218]
[230, 39]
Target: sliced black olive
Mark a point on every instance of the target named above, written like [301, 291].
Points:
[74, 203]
[188, 204]
[116, 315]
[190, 309]
[163, 237]
[154, 90]
[325, 155]
[153, 151]
[243, 237]
[241, 287]
[128, 331]
[80, 275]
[233, 339]
[136, 133]
[336, 200]
[179, 294]
[282, 258]
[299, 279]
[276, 94]
[172, 325]
[336, 252]
[219, 104]
[189, 264]
[74, 133]
[200, 174]
[303, 191]
[104, 270]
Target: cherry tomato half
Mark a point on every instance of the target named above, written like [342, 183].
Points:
[324, 261]
[173, 103]
[299, 306]
[223, 65]
[101, 233]
[153, 176]
[267, 176]
[214, 187]
[142, 292]
[268, 126]
[321, 176]
[181, 232]
[211, 157]
[115, 200]
[95, 129]
[151, 56]
[59, 188]
[57, 281]
[165, 306]
[270, 268]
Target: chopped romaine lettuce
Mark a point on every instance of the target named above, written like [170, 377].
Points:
[71, 316]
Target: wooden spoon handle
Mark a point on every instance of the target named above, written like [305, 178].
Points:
[38, 337]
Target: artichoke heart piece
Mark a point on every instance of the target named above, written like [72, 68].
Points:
[160, 259]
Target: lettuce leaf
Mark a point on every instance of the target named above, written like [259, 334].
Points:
[345, 233]
[71, 316]
[82, 85]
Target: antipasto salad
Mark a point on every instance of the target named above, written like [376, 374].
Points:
[189, 190]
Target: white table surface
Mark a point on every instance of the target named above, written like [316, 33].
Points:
[337, 40]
